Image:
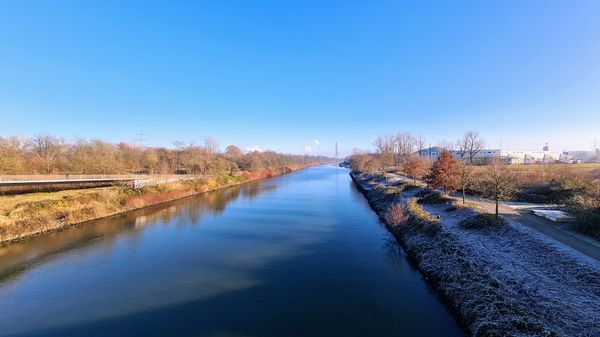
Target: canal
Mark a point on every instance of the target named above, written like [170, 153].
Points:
[297, 255]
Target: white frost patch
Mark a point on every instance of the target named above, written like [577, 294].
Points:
[558, 285]
[506, 281]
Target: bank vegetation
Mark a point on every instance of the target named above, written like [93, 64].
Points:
[573, 187]
[202, 168]
[500, 279]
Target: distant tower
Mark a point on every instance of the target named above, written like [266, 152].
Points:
[141, 138]
[546, 147]
[336, 150]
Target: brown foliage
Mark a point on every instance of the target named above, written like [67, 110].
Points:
[586, 208]
[415, 167]
[365, 163]
[46, 154]
[445, 173]
[396, 215]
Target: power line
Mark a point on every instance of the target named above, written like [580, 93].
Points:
[141, 138]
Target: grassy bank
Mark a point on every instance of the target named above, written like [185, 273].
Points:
[573, 187]
[499, 278]
[30, 214]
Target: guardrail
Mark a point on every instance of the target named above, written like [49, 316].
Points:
[69, 176]
[138, 183]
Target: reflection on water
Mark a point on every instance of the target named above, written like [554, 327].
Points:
[298, 255]
[17, 257]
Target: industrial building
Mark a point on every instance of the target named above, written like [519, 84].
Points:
[512, 156]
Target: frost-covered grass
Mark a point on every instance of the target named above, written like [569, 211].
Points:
[502, 280]
[482, 221]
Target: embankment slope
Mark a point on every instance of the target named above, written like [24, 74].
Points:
[504, 280]
[26, 215]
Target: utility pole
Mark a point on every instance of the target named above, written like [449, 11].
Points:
[336, 151]
[140, 139]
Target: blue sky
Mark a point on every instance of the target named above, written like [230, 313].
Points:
[279, 74]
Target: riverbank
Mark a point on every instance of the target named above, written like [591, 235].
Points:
[32, 214]
[500, 279]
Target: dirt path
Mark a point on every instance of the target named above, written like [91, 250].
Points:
[556, 231]
[521, 216]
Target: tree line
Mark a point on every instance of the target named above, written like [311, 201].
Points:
[448, 174]
[395, 149]
[48, 154]
[456, 171]
[578, 191]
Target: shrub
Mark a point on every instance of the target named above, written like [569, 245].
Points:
[433, 198]
[408, 187]
[396, 215]
[552, 192]
[420, 221]
[452, 208]
[424, 192]
[394, 189]
[586, 209]
[482, 221]
[380, 187]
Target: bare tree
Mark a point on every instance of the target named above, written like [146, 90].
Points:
[499, 181]
[385, 145]
[405, 146]
[470, 145]
[211, 145]
[466, 173]
[12, 154]
[47, 148]
[107, 157]
[179, 149]
[194, 158]
[79, 155]
[420, 143]
[445, 145]
[47, 154]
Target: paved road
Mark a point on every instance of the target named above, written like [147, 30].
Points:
[556, 231]
[553, 230]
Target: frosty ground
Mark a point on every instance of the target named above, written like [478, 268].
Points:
[503, 280]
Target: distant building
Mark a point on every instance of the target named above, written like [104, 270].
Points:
[516, 156]
[543, 156]
[432, 152]
[512, 156]
[580, 156]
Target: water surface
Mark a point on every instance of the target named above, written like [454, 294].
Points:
[297, 255]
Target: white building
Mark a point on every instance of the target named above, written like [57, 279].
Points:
[432, 152]
[512, 156]
[516, 156]
[579, 156]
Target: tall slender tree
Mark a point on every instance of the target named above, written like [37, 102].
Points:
[466, 173]
[498, 182]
